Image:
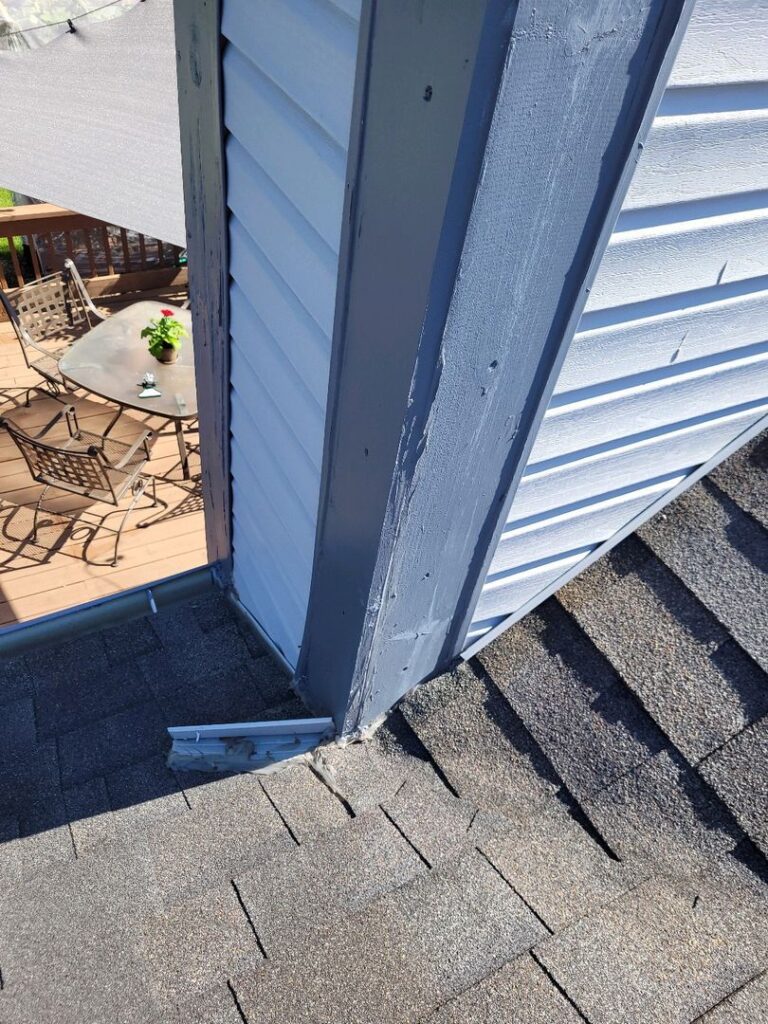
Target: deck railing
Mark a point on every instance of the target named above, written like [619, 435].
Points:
[36, 239]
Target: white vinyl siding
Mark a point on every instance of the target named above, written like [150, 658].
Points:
[289, 68]
[670, 361]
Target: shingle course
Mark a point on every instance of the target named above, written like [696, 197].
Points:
[435, 821]
[483, 749]
[119, 740]
[747, 1006]
[739, 774]
[688, 672]
[327, 880]
[402, 955]
[554, 748]
[743, 477]
[661, 954]
[663, 815]
[557, 868]
[572, 700]
[519, 992]
[306, 804]
[721, 554]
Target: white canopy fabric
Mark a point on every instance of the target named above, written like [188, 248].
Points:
[29, 23]
[91, 121]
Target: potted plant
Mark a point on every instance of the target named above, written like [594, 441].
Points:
[165, 335]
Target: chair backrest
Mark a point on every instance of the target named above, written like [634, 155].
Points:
[79, 471]
[48, 308]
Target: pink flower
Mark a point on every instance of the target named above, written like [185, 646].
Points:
[167, 312]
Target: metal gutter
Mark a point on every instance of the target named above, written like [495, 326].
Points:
[106, 611]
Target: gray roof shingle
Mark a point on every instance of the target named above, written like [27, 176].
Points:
[720, 553]
[567, 829]
[738, 772]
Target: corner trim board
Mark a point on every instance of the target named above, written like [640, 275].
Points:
[416, 68]
[198, 66]
[472, 119]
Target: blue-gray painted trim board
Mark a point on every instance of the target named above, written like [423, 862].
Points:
[701, 471]
[496, 144]
[404, 223]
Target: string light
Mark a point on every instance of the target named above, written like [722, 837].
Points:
[64, 22]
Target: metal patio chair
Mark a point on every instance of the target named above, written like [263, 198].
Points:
[48, 315]
[90, 465]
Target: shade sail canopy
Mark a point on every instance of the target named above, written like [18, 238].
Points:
[91, 121]
[29, 23]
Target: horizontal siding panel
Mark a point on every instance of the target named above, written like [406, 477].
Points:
[733, 98]
[276, 425]
[654, 262]
[257, 538]
[647, 406]
[691, 158]
[504, 594]
[255, 532]
[351, 8]
[257, 481]
[307, 47]
[287, 145]
[251, 588]
[658, 341]
[258, 587]
[256, 411]
[587, 525]
[726, 41]
[481, 627]
[543, 485]
[300, 337]
[266, 362]
[299, 255]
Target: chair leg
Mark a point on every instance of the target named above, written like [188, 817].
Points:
[72, 423]
[50, 389]
[155, 503]
[140, 487]
[183, 452]
[114, 420]
[38, 509]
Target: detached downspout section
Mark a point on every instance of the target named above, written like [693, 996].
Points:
[496, 142]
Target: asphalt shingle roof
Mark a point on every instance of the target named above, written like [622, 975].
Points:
[570, 828]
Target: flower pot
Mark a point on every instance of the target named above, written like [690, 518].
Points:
[168, 354]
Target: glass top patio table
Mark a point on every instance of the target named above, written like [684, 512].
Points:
[112, 358]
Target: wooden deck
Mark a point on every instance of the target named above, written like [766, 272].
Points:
[62, 569]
